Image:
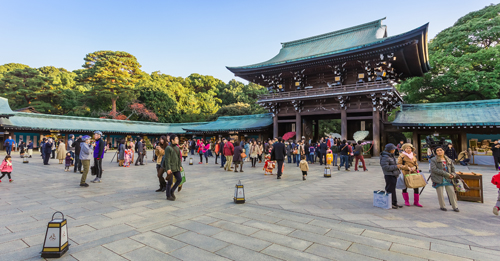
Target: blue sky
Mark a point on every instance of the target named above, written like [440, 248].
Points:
[184, 37]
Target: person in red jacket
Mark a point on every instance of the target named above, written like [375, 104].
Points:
[496, 180]
[229, 152]
[6, 168]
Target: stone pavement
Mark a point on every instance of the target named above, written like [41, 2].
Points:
[122, 218]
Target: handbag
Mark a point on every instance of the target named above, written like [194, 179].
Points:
[414, 180]
[400, 184]
[243, 155]
[382, 199]
[460, 185]
[183, 175]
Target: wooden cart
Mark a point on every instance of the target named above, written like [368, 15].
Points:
[475, 183]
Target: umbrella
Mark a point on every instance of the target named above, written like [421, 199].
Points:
[360, 135]
[288, 135]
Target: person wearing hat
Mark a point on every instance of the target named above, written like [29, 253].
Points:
[98, 155]
[85, 154]
[391, 171]
[409, 164]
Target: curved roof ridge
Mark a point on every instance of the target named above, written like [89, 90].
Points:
[243, 116]
[376, 23]
[451, 105]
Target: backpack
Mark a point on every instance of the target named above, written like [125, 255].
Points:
[335, 149]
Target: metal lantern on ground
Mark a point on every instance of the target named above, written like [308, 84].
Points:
[25, 159]
[239, 193]
[328, 172]
[56, 237]
[190, 161]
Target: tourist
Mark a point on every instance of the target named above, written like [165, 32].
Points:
[9, 144]
[30, 148]
[98, 155]
[391, 172]
[495, 149]
[121, 153]
[310, 156]
[247, 150]
[318, 152]
[306, 149]
[442, 171]
[6, 168]
[335, 151]
[278, 154]
[193, 147]
[451, 153]
[300, 152]
[71, 148]
[85, 156]
[322, 152]
[464, 157]
[304, 167]
[53, 148]
[201, 148]
[217, 151]
[22, 149]
[129, 155]
[329, 157]
[351, 153]
[261, 150]
[344, 155]
[400, 144]
[237, 158]
[289, 151]
[132, 147]
[78, 148]
[358, 154]
[173, 164]
[159, 152]
[409, 164]
[61, 151]
[140, 152]
[496, 181]
[185, 151]
[68, 161]
[206, 151]
[229, 152]
[254, 153]
[222, 156]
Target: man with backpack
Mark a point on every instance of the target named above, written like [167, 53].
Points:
[335, 152]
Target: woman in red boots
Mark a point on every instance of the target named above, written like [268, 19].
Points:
[409, 165]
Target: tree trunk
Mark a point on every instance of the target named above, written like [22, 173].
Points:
[113, 108]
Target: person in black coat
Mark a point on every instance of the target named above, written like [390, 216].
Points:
[139, 148]
[278, 154]
[47, 150]
[237, 157]
[495, 149]
[451, 153]
[322, 150]
[78, 148]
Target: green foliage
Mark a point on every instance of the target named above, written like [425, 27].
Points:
[465, 61]
[329, 126]
[235, 92]
[112, 75]
[235, 109]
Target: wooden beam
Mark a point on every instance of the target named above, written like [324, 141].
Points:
[298, 125]
[360, 118]
[286, 121]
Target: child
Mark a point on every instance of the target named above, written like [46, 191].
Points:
[6, 168]
[128, 156]
[329, 157]
[304, 166]
[68, 161]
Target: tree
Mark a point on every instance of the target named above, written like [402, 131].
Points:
[465, 61]
[234, 92]
[160, 102]
[112, 75]
[235, 109]
[27, 87]
[10, 67]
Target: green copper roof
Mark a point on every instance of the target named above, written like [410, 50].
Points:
[326, 44]
[467, 113]
[235, 123]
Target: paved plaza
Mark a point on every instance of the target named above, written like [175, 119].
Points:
[122, 218]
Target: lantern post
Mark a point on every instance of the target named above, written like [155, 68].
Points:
[56, 237]
[239, 193]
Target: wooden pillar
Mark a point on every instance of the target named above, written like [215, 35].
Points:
[463, 141]
[298, 125]
[316, 130]
[275, 126]
[376, 133]
[343, 126]
[414, 141]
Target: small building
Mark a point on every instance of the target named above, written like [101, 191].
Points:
[466, 124]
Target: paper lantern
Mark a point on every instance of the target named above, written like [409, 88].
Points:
[190, 161]
[56, 237]
[328, 172]
[239, 193]
[25, 159]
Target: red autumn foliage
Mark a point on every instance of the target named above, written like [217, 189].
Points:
[136, 108]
